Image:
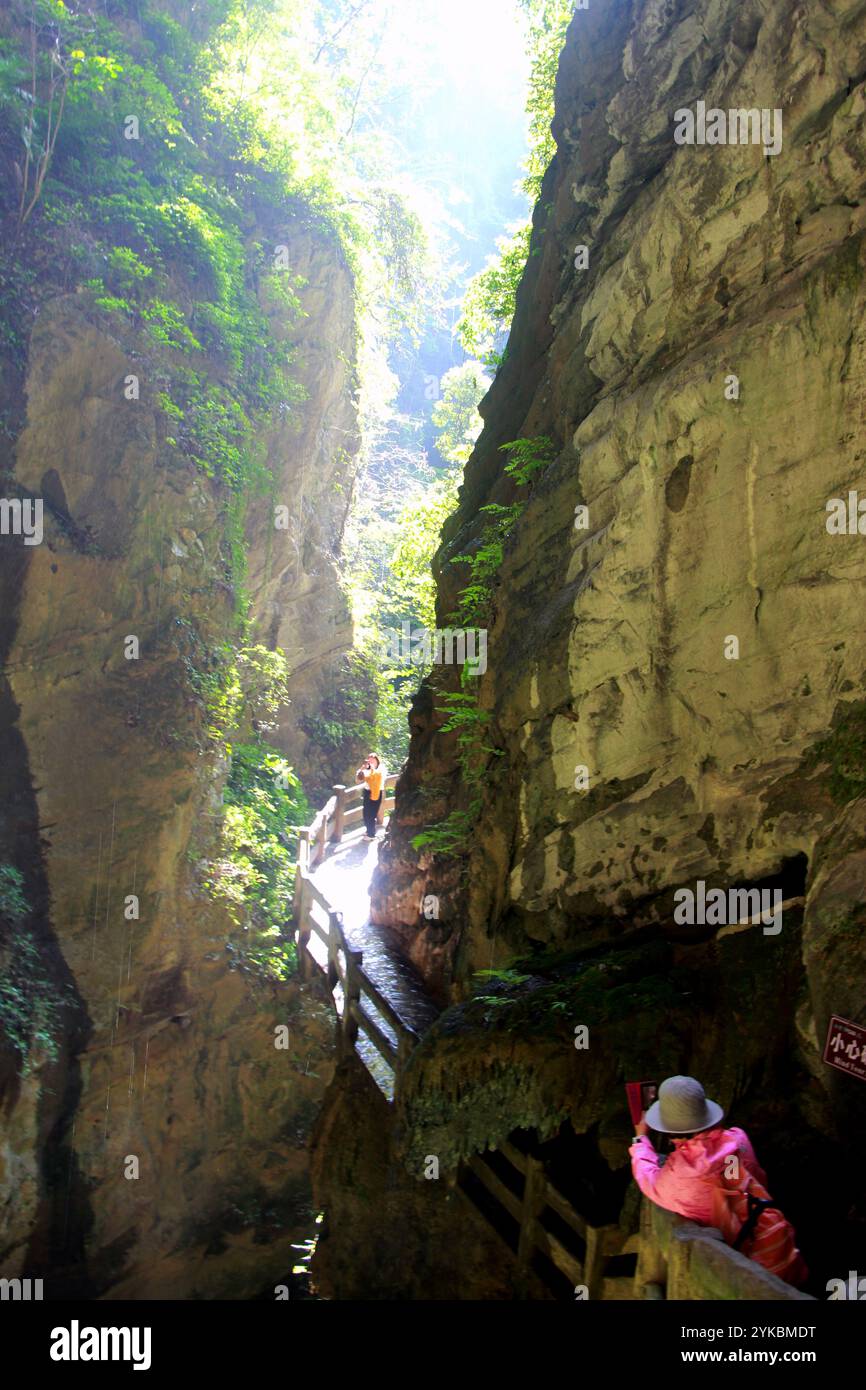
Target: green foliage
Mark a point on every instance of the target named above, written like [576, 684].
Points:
[59, 62]
[617, 989]
[167, 326]
[13, 904]
[215, 430]
[390, 545]
[528, 457]
[452, 835]
[411, 587]
[238, 687]
[399, 539]
[485, 561]
[488, 307]
[290, 100]
[17, 282]
[156, 228]
[505, 975]
[346, 715]
[253, 872]
[127, 269]
[548, 22]
[484, 564]
[468, 720]
[844, 749]
[30, 1004]
[455, 414]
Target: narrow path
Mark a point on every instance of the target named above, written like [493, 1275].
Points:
[344, 877]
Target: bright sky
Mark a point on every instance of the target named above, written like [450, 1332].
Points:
[467, 135]
[479, 41]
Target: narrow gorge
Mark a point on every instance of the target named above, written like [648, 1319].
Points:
[627, 844]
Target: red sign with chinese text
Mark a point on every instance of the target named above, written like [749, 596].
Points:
[845, 1048]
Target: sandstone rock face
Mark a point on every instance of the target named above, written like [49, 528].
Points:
[610, 645]
[298, 600]
[168, 1055]
[389, 1233]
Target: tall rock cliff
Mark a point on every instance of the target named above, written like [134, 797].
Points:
[172, 1058]
[298, 600]
[154, 1144]
[675, 683]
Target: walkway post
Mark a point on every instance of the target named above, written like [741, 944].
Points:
[319, 830]
[303, 929]
[650, 1277]
[304, 847]
[386, 786]
[533, 1201]
[352, 997]
[334, 944]
[299, 905]
[405, 1044]
[340, 793]
[593, 1264]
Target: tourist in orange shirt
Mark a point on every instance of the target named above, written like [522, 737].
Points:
[372, 774]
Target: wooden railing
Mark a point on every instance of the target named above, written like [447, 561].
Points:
[341, 813]
[345, 966]
[675, 1259]
[680, 1260]
[532, 1209]
[314, 915]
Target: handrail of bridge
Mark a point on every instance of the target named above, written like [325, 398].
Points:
[534, 1209]
[341, 812]
[678, 1259]
[344, 962]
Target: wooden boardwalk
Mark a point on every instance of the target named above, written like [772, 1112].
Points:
[380, 998]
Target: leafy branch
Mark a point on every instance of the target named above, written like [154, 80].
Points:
[464, 716]
[49, 20]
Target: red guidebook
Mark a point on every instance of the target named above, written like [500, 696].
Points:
[641, 1095]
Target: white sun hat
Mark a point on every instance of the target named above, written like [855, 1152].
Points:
[683, 1108]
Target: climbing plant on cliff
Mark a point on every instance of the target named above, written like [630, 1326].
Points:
[528, 457]
[451, 836]
[30, 1003]
[253, 872]
[250, 869]
[464, 715]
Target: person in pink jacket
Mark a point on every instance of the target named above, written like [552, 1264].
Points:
[684, 1183]
[706, 1164]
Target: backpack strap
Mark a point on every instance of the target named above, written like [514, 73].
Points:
[757, 1207]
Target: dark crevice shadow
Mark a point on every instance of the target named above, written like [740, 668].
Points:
[56, 1243]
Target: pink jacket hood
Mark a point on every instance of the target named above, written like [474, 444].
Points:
[706, 1153]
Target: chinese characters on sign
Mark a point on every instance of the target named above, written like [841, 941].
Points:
[845, 1048]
